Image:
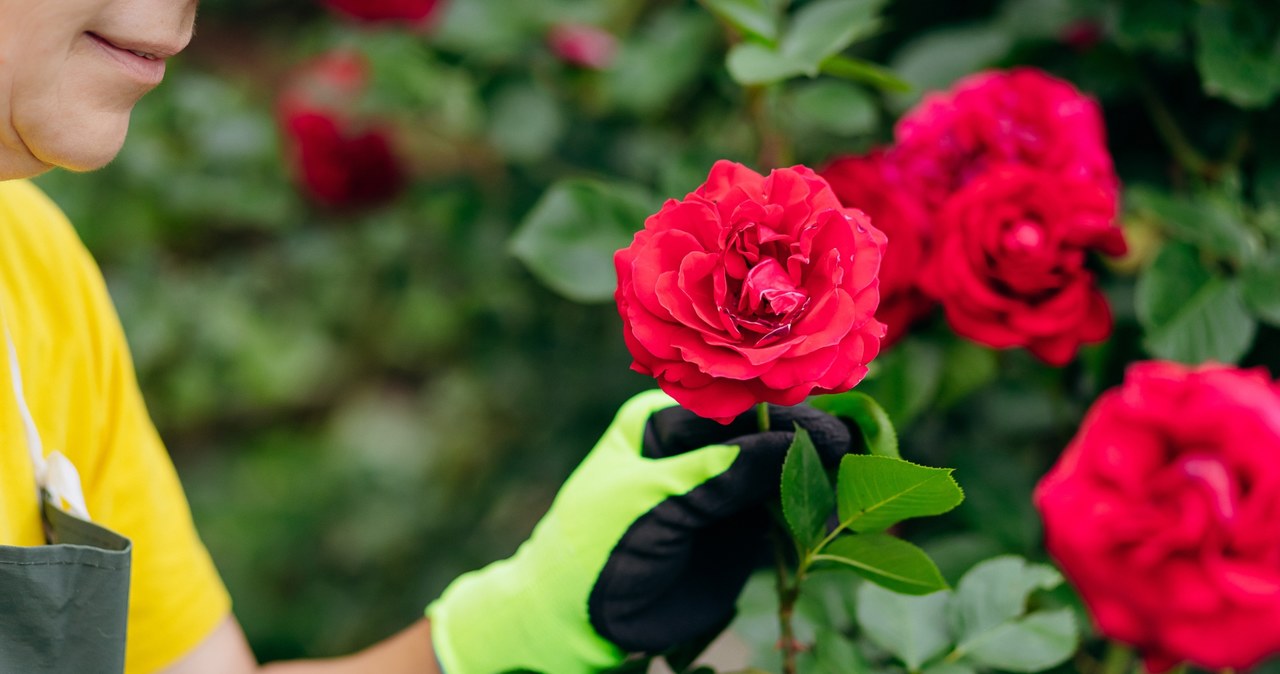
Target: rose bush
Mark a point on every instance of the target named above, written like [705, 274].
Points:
[412, 11]
[869, 184]
[752, 289]
[1163, 512]
[1009, 265]
[1022, 116]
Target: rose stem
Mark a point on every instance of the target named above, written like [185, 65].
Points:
[1117, 658]
[762, 416]
[788, 592]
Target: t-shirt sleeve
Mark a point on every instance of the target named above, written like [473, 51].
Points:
[176, 598]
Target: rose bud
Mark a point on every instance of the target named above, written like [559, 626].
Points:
[409, 11]
[868, 184]
[750, 290]
[583, 46]
[1163, 512]
[1022, 116]
[341, 168]
[1008, 264]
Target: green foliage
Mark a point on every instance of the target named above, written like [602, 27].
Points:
[807, 496]
[816, 33]
[871, 420]
[877, 492]
[1190, 313]
[886, 561]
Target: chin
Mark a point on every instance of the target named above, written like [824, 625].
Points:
[87, 146]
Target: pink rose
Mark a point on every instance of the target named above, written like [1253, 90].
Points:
[1164, 512]
[1022, 116]
[582, 45]
[1009, 261]
[868, 184]
[751, 290]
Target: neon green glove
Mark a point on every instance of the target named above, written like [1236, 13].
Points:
[647, 545]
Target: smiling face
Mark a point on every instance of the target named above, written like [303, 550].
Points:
[71, 72]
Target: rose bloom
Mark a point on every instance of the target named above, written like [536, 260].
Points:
[870, 185]
[1022, 116]
[1164, 512]
[1009, 258]
[341, 168]
[750, 290]
[583, 46]
[411, 11]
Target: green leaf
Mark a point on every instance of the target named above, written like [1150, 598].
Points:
[1260, 284]
[569, 238]
[1190, 314]
[995, 592]
[525, 123]
[940, 57]
[866, 72]
[877, 430]
[1238, 53]
[948, 668]
[905, 380]
[1214, 222]
[1157, 24]
[887, 561]
[665, 58]
[876, 492]
[836, 654]
[752, 63]
[757, 18]
[836, 107]
[913, 629]
[807, 496]
[824, 28]
[1033, 643]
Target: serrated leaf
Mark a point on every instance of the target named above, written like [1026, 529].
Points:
[758, 18]
[876, 428]
[807, 496]
[825, 27]
[569, 238]
[913, 629]
[751, 63]
[1238, 53]
[1033, 643]
[886, 561]
[1190, 314]
[876, 492]
[995, 592]
[866, 72]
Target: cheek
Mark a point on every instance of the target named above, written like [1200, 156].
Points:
[73, 111]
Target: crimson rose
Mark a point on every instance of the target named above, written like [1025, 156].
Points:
[1022, 116]
[412, 11]
[1164, 512]
[1009, 261]
[583, 45]
[869, 184]
[751, 290]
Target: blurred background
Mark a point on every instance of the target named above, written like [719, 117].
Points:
[313, 239]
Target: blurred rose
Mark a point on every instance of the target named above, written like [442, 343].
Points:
[1009, 257]
[583, 45]
[340, 160]
[1165, 513]
[1022, 116]
[340, 168]
[868, 184]
[751, 290]
[412, 11]
[1083, 34]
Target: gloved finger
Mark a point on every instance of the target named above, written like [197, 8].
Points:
[675, 430]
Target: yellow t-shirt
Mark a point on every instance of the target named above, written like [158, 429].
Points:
[84, 397]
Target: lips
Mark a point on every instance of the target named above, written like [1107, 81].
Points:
[144, 62]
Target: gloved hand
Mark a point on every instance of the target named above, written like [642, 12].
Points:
[647, 545]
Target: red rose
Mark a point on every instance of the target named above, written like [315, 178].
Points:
[752, 290]
[584, 46]
[1022, 116]
[1009, 256]
[341, 168]
[867, 183]
[412, 11]
[1164, 512]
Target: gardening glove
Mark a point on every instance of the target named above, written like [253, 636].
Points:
[647, 546]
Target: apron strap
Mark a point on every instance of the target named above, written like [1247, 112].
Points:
[56, 476]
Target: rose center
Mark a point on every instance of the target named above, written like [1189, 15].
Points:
[769, 301]
[1024, 235]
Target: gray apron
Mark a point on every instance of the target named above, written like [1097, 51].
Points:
[64, 605]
